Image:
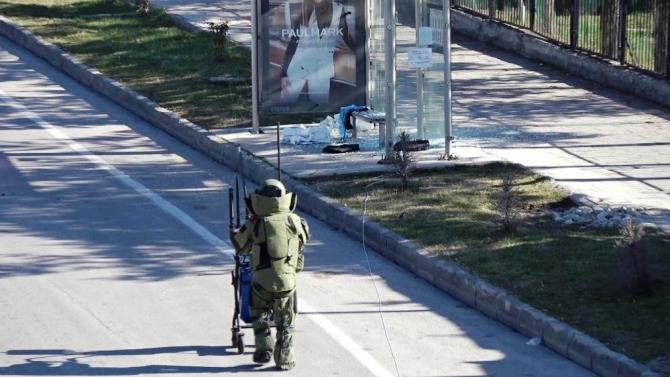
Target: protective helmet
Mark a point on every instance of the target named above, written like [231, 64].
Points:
[272, 188]
[271, 197]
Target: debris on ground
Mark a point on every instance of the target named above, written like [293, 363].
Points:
[598, 216]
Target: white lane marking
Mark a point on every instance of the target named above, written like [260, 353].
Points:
[223, 246]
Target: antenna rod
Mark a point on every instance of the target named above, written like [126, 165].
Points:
[244, 179]
[278, 155]
[237, 200]
[231, 216]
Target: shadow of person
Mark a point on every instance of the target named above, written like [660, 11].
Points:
[72, 366]
[75, 368]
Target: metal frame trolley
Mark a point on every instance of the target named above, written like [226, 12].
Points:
[241, 281]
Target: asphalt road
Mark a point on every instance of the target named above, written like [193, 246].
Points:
[114, 261]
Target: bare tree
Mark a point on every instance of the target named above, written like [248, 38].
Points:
[634, 272]
[403, 159]
[219, 32]
[506, 203]
[143, 7]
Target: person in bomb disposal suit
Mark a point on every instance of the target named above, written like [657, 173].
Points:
[275, 237]
[308, 60]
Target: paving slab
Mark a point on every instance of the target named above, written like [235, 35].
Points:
[308, 160]
[237, 13]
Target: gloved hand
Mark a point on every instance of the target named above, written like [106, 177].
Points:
[301, 262]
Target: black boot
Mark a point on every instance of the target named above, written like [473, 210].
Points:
[262, 357]
[285, 367]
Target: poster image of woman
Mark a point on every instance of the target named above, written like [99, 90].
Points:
[312, 55]
[309, 56]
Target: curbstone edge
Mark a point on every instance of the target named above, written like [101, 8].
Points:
[605, 361]
[486, 297]
[531, 321]
[461, 285]
[582, 349]
[508, 310]
[557, 335]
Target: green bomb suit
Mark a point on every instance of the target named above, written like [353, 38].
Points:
[275, 239]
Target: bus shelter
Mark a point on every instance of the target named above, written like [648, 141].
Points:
[391, 55]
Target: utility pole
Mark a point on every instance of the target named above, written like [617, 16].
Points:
[254, 67]
[446, 50]
[390, 76]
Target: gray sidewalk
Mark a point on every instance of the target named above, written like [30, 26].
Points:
[610, 147]
[236, 12]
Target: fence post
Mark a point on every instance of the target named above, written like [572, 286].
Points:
[662, 37]
[574, 24]
[492, 9]
[623, 13]
[609, 28]
[531, 16]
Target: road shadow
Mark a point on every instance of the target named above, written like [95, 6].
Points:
[72, 363]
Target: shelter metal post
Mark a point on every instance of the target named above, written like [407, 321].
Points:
[390, 75]
[418, 12]
[254, 66]
[446, 46]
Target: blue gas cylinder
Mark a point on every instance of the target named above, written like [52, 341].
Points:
[245, 292]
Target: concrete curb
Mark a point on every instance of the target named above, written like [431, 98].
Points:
[490, 300]
[580, 64]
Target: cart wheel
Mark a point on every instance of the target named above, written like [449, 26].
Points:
[240, 344]
[236, 335]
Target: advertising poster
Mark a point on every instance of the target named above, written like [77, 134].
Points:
[311, 55]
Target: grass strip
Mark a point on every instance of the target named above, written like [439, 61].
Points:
[151, 56]
[567, 271]
[148, 54]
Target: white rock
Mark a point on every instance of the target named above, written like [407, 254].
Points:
[597, 216]
[534, 341]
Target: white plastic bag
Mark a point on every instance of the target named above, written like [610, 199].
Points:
[335, 128]
[295, 135]
[319, 134]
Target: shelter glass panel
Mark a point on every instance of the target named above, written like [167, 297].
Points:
[420, 86]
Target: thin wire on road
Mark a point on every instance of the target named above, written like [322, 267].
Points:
[374, 280]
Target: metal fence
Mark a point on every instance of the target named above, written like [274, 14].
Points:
[633, 32]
